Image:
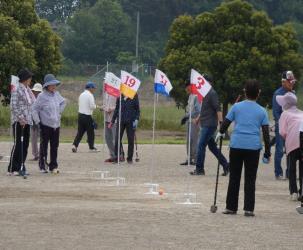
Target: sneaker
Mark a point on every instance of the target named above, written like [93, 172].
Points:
[93, 150]
[228, 211]
[249, 213]
[16, 173]
[130, 161]
[197, 173]
[9, 173]
[55, 171]
[109, 160]
[279, 178]
[74, 149]
[43, 171]
[186, 163]
[294, 197]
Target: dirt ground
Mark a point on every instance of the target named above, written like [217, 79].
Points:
[76, 210]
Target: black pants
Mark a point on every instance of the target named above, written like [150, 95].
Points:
[292, 158]
[250, 158]
[48, 135]
[85, 124]
[130, 138]
[19, 147]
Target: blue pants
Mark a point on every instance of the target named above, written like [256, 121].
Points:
[207, 139]
[279, 151]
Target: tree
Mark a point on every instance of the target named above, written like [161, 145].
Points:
[97, 34]
[233, 43]
[25, 41]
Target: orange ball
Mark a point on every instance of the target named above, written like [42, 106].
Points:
[161, 192]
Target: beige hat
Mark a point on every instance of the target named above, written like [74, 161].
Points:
[37, 87]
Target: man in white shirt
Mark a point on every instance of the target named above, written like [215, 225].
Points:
[85, 121]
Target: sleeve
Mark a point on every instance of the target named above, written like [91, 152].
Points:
[17, 106]
[283, 125]
[265, 120]
[214, 100]
[116, 112]
[62, 103]
[276, 108]
[36, 109]
[231, 114]
[137, 107]
[92, 103]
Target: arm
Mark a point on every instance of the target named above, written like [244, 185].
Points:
[36, 108]
[216, 106]
[224, 126]
[265, 131]
[62, 104]
[276, 108]
[137, 107]
[219, 115]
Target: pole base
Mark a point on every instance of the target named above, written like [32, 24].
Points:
[213, 208]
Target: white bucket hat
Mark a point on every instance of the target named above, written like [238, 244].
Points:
[287, 101]
[37, 87]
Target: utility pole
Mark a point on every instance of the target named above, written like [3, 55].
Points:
[135, 62]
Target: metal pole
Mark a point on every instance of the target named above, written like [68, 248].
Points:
[189, 140]
[137, 35]
[153, 140]
[119, 138]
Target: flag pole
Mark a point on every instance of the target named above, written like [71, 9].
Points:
[104, 114]
[119, 138]
[153, 141]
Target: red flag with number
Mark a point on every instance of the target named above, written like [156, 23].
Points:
[199, 85]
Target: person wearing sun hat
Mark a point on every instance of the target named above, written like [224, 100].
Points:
[47, 112]
[37, 89]
[85, 120]
[21, 117]
[288, 82]
[289, 128]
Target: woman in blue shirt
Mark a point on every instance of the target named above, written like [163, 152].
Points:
[245, 145]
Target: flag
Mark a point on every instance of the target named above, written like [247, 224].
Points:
[130, 84]
[162, 83]
[14, 83]
[112, 84]
[199, 85]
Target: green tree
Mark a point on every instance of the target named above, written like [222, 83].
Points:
[97, 34]
[233, 43]
[25, 41]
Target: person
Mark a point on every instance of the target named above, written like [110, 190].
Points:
[209, 117]
[85, 120]
[289, 128]
[47, 112]
[245, 145]
[288, 81]
[37, 89]
[109, 105]
[193, 107]
[21, 117]
[130, 114]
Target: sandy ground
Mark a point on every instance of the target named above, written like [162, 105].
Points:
[75, 210]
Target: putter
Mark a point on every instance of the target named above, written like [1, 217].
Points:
[300, 208]
[22, 170]
[214, 207]
[136, 144]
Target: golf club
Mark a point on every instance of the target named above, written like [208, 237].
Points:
[214, 207]
[22, 170]
[136, 144]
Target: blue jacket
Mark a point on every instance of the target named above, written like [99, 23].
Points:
[130, 109]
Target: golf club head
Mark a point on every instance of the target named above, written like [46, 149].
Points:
[300, 209]
[213, 208]
[137, 159]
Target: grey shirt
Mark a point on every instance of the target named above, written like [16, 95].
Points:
[48, 109]
[209, 109]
